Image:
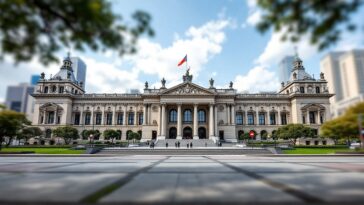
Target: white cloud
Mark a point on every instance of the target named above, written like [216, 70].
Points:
[199, 43]
[261, 77]
[276, 49]
[112, 74]
[256, 80]
[254, 13]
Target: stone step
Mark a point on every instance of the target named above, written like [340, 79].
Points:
[183, 143]
[185, 151]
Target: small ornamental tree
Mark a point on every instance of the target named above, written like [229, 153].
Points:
[68, 133]
[344, 127]
[111, 134]
[29, 132]
[294, 131]
[133, 136]
[11, 123]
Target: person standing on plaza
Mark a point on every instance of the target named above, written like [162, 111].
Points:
[191, 145]
[166, 144]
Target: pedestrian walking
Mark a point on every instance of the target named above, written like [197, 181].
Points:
[166, 144]
[178, 144]
[188, 145]
[175, 144]
[191, 145]
[205, 144]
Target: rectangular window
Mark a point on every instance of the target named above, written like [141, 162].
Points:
[283, 119]
[302, 89]
[312, 117]
[61, 89]
[46, 89]
[131, 118]
[58, 119]
[303, 120]
[317, 89]
[261, 119]
[140, 118]
[98, 119]
[50, 117]
[120, 118]
[77, 119]
[321, 119]
[88, 118]
[250, 119]
[272, 118]
[239, 119]
[109, 118]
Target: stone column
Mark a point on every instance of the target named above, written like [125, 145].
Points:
[195, 122]
[228, 112]
[125, 115]
[308, 118]
[145, 114]
[136, 116]
[150, 114]
[211, 122]
[246, 117]
[163, 122]
[215, 120]
[92, 117]
[114, 117]
[233, 114]
[55, 117]
[179, 121]
[318, 117]
[279, 121]
[256, 120]
[44, 117]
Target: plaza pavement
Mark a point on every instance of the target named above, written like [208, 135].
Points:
[168, 179]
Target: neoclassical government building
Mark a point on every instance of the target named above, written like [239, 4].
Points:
[185, 111]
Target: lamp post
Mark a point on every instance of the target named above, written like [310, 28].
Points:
[91, 137]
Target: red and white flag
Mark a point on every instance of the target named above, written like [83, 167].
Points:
[183, 60]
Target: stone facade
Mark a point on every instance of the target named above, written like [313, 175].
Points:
[185, 111]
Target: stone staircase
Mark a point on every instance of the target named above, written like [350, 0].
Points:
[183, 143]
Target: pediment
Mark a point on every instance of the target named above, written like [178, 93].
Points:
[187, 89]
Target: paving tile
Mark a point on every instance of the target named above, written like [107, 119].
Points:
[191, 167]
[100, 167]
[51, 187]
[332, 187]
[279, 167]
[197, 188]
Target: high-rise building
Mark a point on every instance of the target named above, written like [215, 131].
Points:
[34, 79]
[345, 75]
[79, 70]
[285, 68]
[17, 97]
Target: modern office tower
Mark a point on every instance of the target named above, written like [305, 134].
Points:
[285, 68]
[17, 97]
[79, 70]
[344, 72]
[34, 79]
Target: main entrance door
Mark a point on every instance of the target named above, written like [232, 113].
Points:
[201, 133]
[154, 135]
[187, 133]
[172, 133]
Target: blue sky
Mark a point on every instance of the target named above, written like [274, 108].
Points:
[218, 36]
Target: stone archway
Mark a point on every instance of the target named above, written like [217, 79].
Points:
[263, 135]
[172, 133]
[202, 133]
[187, 133]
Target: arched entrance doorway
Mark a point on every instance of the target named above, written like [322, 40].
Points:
[172, 133]
[154, 135]
[187, 133]
[263, 135]
[202, 133]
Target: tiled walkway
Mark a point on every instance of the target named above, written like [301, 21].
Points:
[181, 179]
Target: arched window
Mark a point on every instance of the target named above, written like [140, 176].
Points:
[173, 116]
[54, 89]
[187, 116]
[239, 118]
[201, 116]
